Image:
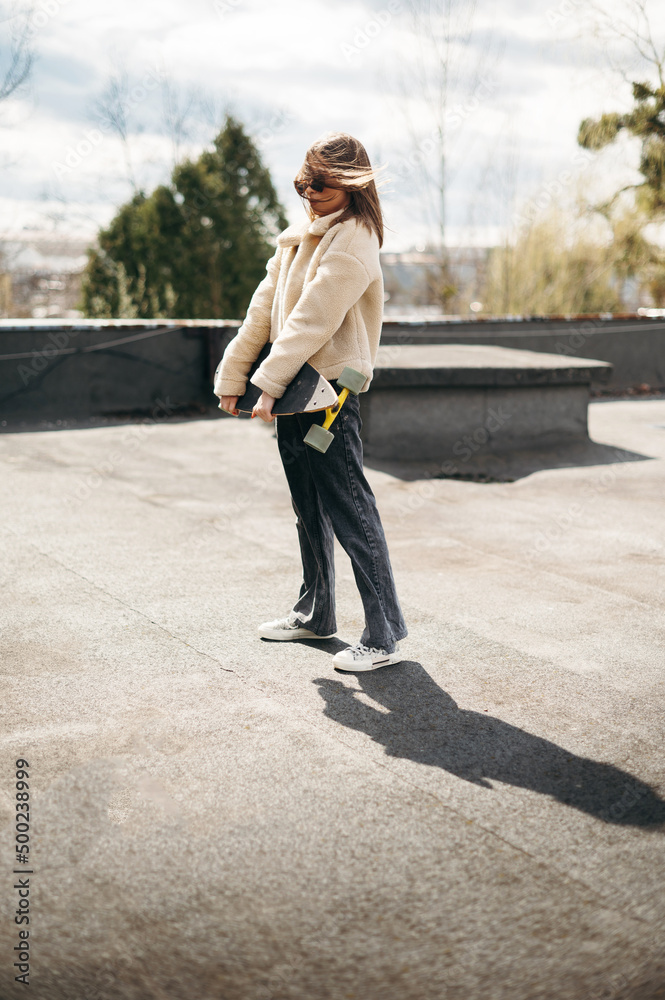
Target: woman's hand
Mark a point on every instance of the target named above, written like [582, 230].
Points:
[228, 403]
[263, 407]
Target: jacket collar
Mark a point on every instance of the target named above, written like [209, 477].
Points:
[294, 234]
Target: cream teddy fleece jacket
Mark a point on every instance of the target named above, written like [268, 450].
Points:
[321, 301]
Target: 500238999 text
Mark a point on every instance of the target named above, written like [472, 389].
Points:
[22, 885]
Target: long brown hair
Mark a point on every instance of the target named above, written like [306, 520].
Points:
[344, 160]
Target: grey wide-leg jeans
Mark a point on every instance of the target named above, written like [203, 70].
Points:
[331, 497]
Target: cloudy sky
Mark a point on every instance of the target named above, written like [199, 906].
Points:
[523, 73]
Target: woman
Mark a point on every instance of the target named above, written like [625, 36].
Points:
[322, 302]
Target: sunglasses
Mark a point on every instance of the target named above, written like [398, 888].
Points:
[316, 183]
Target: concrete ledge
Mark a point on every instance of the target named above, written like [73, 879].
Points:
[633, 344]
[476, 364]
[61, 370]
[81, 369]
[455, 404]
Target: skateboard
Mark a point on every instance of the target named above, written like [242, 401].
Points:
[308, 392]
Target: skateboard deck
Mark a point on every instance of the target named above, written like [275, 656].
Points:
[307, 392]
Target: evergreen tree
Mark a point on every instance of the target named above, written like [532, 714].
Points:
[195, 248]
[635, 256]
[646, 122]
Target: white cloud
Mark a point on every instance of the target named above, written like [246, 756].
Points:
[321, 66]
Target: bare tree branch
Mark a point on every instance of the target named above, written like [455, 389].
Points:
[178, 107]
[21, 53]
[638, 34]
[439, 84]
[114, 107]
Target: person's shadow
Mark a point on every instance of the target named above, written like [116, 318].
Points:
[423, 724]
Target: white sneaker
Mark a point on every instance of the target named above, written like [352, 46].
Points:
[287, 628]
[359, 657]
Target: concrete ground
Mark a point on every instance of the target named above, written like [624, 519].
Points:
[219, 817]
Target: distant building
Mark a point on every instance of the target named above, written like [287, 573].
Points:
[413, 281]
[40, 274]
[40, 277]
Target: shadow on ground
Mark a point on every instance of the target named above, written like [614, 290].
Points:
[510, 466]
[115, 418]
[423, 724]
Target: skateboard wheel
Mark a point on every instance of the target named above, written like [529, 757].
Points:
[319, 438]
[352, 380]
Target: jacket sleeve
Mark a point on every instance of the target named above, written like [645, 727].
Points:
[241, 352]
[341, 280]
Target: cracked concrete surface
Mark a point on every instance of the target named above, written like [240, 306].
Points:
[218, 816]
